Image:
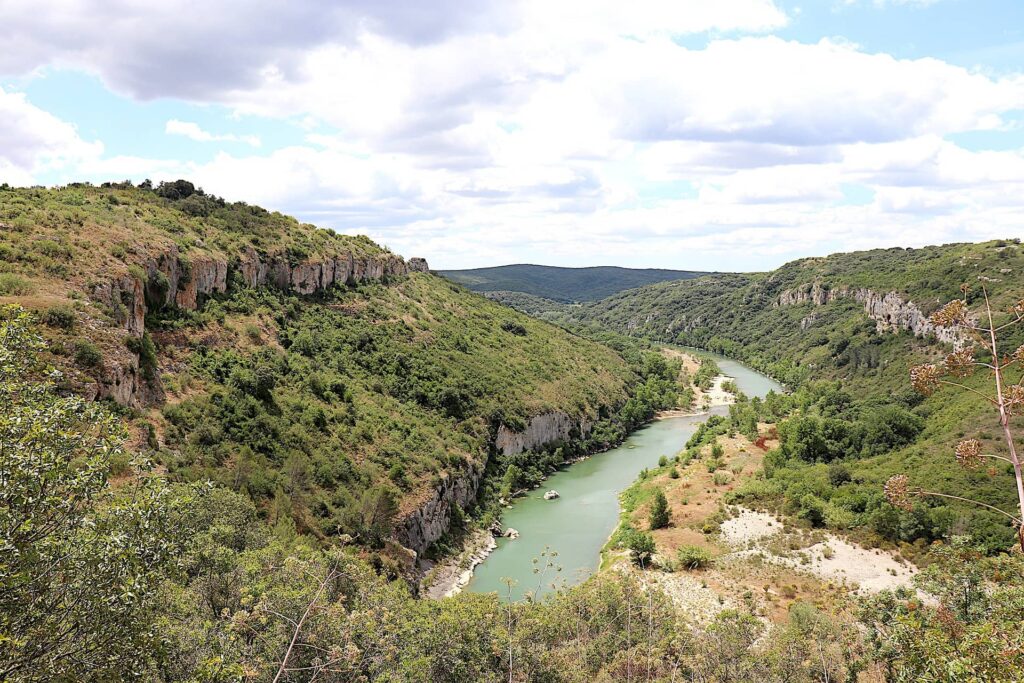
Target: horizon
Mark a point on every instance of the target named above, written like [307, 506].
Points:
[738, 135]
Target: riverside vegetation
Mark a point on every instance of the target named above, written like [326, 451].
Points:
[281, 407]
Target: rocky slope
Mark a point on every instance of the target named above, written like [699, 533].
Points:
[171, 280]
[889, 310]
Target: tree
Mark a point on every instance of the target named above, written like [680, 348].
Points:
[659, 511]
[79, 564]
[640, 545]
[1006, 397]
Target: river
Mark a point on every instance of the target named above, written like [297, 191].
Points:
[577, 525]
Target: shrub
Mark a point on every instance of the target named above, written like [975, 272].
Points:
[87, 355]
[157, 288]
[514, 328]
[838, 474]
[693, 557]
[178, 189]
[721, 478]
[12, 284]
[640, 545]
[62, 316]
[145, 349]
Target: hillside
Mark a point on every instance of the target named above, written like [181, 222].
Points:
[859, 319]
[339, 386]
[227, 439]
[563, 285]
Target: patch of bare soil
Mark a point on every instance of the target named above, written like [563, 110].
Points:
[760, 561]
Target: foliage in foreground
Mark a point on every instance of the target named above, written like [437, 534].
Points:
[80, 564]
[971, 632]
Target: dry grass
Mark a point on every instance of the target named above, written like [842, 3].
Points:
[768, 574]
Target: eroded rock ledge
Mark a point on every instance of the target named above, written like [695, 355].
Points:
[171, 279]
[423, 527]
[541, 430]
[889, 311]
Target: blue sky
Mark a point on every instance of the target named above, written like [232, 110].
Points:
[726, 135]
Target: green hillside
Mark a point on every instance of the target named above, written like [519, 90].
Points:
[564, 285]
[809, 322]
[363, 395]
[222, 431]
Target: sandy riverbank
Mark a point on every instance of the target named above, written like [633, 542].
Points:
[452, 574]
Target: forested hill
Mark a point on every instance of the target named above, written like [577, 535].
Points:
[860, 318]
[563, 285]
[822, 316]
[342, 388]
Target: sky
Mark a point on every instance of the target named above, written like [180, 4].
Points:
[692, 134]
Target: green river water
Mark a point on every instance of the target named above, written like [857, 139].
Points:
[577, 525]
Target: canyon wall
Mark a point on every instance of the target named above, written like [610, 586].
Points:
[889, 311]
[540, 431]
[174, 280]
[424, 526]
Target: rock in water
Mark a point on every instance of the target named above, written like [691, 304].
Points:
[551, 495]
[511, 533]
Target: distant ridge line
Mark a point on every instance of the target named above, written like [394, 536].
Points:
[562, 283]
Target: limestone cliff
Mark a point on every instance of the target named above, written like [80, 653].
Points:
[421, 528]
[172, 279]
[889, 311]
[541, 430]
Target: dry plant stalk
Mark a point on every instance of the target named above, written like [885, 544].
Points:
[1006, 398]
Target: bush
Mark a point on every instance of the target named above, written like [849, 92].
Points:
[721, 478]
[62, 316]
[145, 349]
[178, 189]
[87, 355]
[12, 284]
[838, 474]
[640, 545]
[514, 327]
[693, 557]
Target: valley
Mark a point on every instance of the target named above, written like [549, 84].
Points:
[570, 531]
[255, 418]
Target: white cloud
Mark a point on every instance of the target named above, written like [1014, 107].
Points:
[33, 141]
[192, 131]
[573, 132]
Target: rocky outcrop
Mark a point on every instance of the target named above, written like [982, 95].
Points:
[314, 276]
[890, 311]
[419, 529]
[418, 265]
[122, 381]
[168, 278]
[541, 430]
[206, 276]
[125, 298]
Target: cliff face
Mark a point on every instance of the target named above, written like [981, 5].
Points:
[889, 311]
[174, 280]
[540, 431]
[424, 526]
